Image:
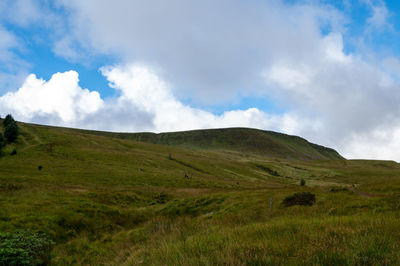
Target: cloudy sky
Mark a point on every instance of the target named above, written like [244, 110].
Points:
[328, 71]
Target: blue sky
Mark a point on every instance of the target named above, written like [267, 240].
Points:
[325, 70]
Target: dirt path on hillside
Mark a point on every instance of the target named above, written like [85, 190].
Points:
[36, 139]
[368, 195]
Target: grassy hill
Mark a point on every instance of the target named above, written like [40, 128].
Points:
[107, 200]
[266, 143]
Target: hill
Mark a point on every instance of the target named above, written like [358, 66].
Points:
[111, 201]
[265, 143]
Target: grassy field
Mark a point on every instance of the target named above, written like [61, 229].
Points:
[107, 200]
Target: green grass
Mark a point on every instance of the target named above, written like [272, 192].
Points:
[266, 143]
[109, 200]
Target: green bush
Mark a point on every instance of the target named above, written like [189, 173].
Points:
[338, 189]
[13, 152]
[23, 247]
[2, 143]
[302, 182]
[160, 198]
[11, 132]
[6, 187]
[303, 198]
[9, 119]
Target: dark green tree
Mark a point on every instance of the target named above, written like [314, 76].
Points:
[2, 143]
[9, 119]
[11, 132]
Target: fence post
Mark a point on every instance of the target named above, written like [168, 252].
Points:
[270, 203]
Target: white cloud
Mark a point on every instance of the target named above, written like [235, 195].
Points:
[12, 67]
[145, 103]
[26, 13]
[381, 143]
[143, 89]
[379, 18]
[65, 47]
[60, 97]
[210, 51]
[7, 41]
[351, 100]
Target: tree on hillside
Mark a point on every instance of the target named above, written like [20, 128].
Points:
[11, 132]
[2, 143]
[9, 119]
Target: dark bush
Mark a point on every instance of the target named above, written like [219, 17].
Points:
[40, 168]
[302, 182]
[339, 189]
[9, 119]
[161, 198]
[13, 152]
[11, 132]
[23, 247]
[2, 142]
[268, 170]
[303, 198]
[9, 187]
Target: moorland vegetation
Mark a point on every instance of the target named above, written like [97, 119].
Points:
[211, 197]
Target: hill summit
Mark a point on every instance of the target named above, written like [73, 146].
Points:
[246, 140]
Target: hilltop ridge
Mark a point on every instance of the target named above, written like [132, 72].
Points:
[248, 140]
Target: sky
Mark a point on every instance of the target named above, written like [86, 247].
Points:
[328, 71]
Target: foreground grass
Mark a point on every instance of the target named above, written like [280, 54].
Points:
[246, 232]
[119, 202]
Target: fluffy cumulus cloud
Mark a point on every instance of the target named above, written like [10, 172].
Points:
[145, 103]
[60, 99]
[355, 103]
[143, 89]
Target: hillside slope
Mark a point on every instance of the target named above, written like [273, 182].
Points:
[266, 143]
[111, 201]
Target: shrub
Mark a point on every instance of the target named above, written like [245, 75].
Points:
[6, 187]
[40, 168]
[2, 143]
[23, 247]
[13, 152]
[302, 182]
[9, 119]
[303, 198]
[11, 132]
[161, 198]
[268, 170]
[338, 189]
